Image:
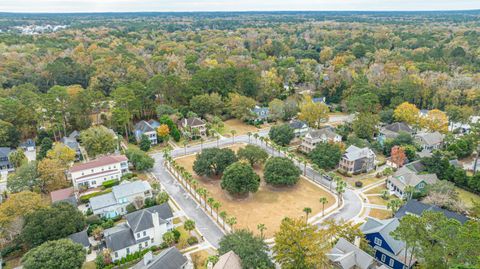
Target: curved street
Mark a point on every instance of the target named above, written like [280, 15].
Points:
[350, 210]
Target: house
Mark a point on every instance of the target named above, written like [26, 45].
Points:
[430, 141]
[28, 145]
[93, 173]
[322, 99]
[229, 260]
[314, 137]
[346, 255]
[300, 128]
[261, 113]
[415, 207]
[142, 229]
[72, 142]
[169, 258]
[357, 160]
[81, 238]
[409, 175]
[115, 202]
[388, 250]
[192, 125]
[5, 165]
[391, 131]
[147, 128]
[64, 195]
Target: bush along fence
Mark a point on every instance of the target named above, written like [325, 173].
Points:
[201, 196]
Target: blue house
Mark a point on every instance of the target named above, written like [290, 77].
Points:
[389, 251]
[261, 113]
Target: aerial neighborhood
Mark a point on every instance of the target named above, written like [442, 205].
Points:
[223, 140]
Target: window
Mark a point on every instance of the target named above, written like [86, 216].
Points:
[116, 254]
[128, 251]
[144, 233]
[151, 240]
[138, 235]
[382, 258]
[377, 241]
[140, 246]
[391, 262]
[146, 244]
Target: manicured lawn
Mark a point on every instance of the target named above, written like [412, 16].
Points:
[89, 265]
[378, 189]
[269, 205]
[367, 180]
[239, 126]
[380, 213]
[467, 196]
[377, 200]
[199, 258]
[184, 235]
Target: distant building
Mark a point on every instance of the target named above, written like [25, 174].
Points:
[169, 258]
[300, 128]
[147, 128]
[64, 195]
[142, 229]
[115, 203]
[410, 175]
[261, 113]
[357, 160]
[391, 131]
[93, 173]
[229, 260]
[430, 141]
[5, 164]
[72, 142]
[189, 125]
[388, 250]
[414, 207]
[346, 255]
[313, 137]
[28, 145]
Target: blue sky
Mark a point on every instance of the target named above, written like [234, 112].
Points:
[229, 5]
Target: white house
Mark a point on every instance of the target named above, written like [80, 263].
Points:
[300, 128]
[430, 141]
[314, 137]
[5, 165]
[142, 229]
[114, 203]
[93, 173]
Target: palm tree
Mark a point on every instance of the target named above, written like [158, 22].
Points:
[223, 215]
[249, 135]
[341, 186]
[262, 139]
[232, 221]
[261, 227]
[394, 205]
[323, 201]
[201, 143]
[255, 135]
[185, 143]
[203, 193]
[307, 211]
[210, 201]
[217, 206]
[233, 132]
[194, 185]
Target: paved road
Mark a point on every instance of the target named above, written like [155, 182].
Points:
[213, 234]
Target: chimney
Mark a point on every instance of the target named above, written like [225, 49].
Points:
[155, 220]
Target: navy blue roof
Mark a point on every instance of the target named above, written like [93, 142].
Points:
[417, 208]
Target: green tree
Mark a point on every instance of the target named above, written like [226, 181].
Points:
[168, 238]
[59, 254]
[251, 249]
[25, 178]
[365, 125]
[140, 160]
[52, 223]
[17, 158]
[253, 154]
[213, 161]
[162, 197]
[326, 155]
[276, 109]
[281, 171]
[98, 140]
[241, 106]
[145, 143]
[282, 134]
[45, 146]
[207, 104]
[9, 135]
[240, 179]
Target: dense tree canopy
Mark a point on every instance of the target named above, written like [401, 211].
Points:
[213, 161]
[61, 254]
[253, 154]
[326, 155]
[240, 179]
[281, 171]
[281, 134]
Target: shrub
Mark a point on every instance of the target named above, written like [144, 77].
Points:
[192, 240]
[110, 183]
[176, 234]
[130, 208]
[94, 220]
[162, 197]
[358, 184]
[128, 176]
[149, 202]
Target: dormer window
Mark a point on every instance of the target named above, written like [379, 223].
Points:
[138, 235]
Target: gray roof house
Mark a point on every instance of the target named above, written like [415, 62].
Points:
[261, 113]
[28, 145]
[357, 160]
[391, 131]
[300, 128]
[115, 202]
[430, 141]
[81, 238]
[148, 129]
[142, 229]
[169, 258]
[72, 142]
[315, 136]
[5, 165]
[409, 175]
[346, 255]
[229, 260]
[415, 207]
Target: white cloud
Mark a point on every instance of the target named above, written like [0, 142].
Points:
[228, 5]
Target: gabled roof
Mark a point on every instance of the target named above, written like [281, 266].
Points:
[260, 110]
[326, 132]
[229, 260]
[101, 201]
[417, 208]
[398, 127]
[406, 177]
[297, 124]
[102, 161]
[192, 122]
[4, 151]
[80, 238]
[62, 194]
[155, 124]
[430, 138]
[143, 127]
[120, 237]
[118, 192]
[70, 142]
[355, 153]
[143, 219]
[27, 143]
[348, 256]
[170, 258]
[384, 228]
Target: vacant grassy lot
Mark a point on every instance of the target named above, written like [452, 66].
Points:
[378, 200]
[467, 197]
[380, 213]
[239, 126]
[269, 205]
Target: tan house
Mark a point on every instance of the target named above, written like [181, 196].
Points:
[313, 137]
[229, 260]
[189, 125]
[357, 160]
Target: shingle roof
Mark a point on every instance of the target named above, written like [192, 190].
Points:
[430, 138]
[118, 192]
[4, 151]
[62, 194]
[170, 258]
[229, 260]
[80, 238]
[354, 153]
[120, 237]
[102, 161]
[70, 142]
[297, 124]
[142, 219]
[399, 127]
[324, 132]
[143, 127]
[27, 143]
[417, 208]
[384, 228]
[192, 122]
[406, 177]
[101, 201]
[155, 124]
[348, 256]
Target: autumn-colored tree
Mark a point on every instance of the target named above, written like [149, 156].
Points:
[62, 153]
[241, 106]
[52, 174]
[163, 131]
[408, 113]
[398, 156]
[436, 120]
[313, 113]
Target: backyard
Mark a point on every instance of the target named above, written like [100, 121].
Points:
[269, 205]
